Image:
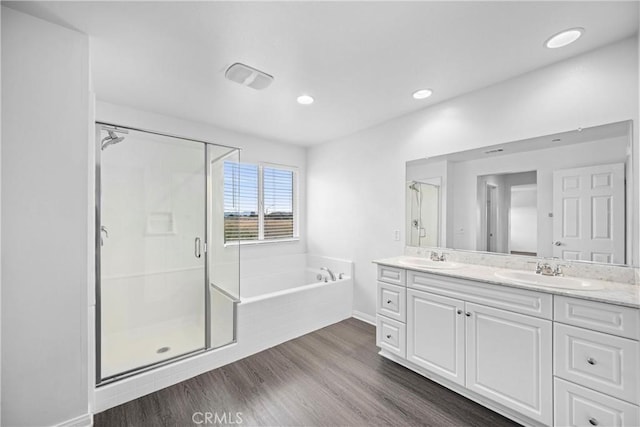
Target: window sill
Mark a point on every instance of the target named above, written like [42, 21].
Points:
[261, 242]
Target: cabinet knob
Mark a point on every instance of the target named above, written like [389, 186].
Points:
[591, 361]
[468, 314]
[388, 301]
[388, 335]
[459, 311]
[593, 421]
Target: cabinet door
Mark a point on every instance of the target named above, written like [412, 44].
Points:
[435, 334]
[509, 359]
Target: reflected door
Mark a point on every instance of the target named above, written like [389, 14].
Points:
[152, 260]
[588, 219]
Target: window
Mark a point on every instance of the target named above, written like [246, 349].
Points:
[259, 202]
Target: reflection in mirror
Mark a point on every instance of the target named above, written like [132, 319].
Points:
[423, 212]
[568, 195]
[507, 205]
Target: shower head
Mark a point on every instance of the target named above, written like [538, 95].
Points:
[111, 139]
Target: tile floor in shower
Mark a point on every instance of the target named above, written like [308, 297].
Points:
[135, 348]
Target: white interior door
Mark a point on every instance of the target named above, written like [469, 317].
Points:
[589, 213]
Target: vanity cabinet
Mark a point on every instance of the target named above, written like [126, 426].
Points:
[435, 331]
[391, 310]
[596, 363]
[496, 353]
[538, 358]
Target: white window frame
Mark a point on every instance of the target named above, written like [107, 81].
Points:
[295, 204]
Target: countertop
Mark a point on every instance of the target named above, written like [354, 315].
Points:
[611, 292]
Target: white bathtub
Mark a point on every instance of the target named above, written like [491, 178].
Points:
[281, 299]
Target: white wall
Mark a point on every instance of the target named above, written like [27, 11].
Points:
[254, 150]
[45, 194]
[357, 183]
[523, 231]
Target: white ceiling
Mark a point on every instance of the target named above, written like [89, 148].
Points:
[360, 60]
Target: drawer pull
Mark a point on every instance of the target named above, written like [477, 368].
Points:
[591, 361]
[388, 335]
[593, 421]
[459, 311]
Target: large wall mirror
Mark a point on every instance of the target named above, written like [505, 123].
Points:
[568, 195]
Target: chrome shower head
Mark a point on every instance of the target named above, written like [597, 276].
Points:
[111, 139]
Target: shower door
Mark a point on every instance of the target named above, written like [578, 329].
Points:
[151, 253]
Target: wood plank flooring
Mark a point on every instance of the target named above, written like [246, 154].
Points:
[331, 377]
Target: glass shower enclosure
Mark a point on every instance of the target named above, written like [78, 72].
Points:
[167, 285]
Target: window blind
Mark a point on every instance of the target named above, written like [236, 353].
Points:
[277, 203]
[241, 215]
[258, 202]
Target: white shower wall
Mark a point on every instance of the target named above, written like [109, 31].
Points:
[152, 284]
[140, 259]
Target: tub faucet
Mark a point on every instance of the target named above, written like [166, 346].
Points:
[333, 276]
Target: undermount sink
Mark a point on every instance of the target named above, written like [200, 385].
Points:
[531, 278]
[427, 263]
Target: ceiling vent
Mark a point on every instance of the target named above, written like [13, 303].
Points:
[248, 76]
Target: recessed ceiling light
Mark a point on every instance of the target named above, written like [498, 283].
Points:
[422, 93]
[564, 38]
[305, 99]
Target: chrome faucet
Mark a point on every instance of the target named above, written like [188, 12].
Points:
[547, 269]
[435, 257]
[333, 276]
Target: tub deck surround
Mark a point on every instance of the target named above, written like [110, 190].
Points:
[612, 292]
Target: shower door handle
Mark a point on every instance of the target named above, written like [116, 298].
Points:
[104, 230]
[197, 248]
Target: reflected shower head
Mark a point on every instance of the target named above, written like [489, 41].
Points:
[111, 139]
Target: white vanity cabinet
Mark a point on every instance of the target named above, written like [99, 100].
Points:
[391, 310]
[596, 363]
[536, 357]
[499, 354]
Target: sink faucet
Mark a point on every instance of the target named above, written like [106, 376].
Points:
[333, 276]
[547, 269]
[435, 257]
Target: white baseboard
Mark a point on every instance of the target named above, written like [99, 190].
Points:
[364, 317]
[85, 420]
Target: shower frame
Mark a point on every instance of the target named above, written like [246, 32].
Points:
[102, 125]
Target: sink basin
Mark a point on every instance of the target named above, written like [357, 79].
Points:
[427, 263]
[531, 278]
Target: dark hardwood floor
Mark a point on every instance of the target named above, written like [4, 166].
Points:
[331, 377]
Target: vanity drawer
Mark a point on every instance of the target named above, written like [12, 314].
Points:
[599, 316]
[391, 335]
[599, 361]
[524, 301]
[578, 406]
[391, 275]
[392, 301]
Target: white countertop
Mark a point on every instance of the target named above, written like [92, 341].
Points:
[611, 292]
